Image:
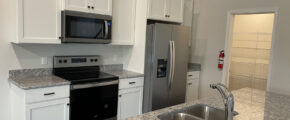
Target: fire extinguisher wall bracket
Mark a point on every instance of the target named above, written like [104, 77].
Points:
[221, 59]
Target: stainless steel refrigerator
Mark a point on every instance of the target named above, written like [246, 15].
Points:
[165, 65]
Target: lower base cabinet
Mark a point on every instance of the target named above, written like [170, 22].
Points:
[51, 103]
[51, 110]
[130, 98]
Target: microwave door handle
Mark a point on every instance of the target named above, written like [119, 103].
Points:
[106, 29]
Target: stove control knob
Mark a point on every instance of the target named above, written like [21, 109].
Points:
[60, 61]
[65, 61]
[92, 60]
[96, 60]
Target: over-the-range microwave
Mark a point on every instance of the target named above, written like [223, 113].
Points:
[80, 27]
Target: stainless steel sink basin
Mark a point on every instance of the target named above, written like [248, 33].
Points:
[196, 112]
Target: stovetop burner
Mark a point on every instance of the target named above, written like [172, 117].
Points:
[83, 77]
[80, 69]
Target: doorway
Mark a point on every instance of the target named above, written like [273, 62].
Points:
[250, 52]
[249, 49]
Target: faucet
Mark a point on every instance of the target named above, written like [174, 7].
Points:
[228, 100]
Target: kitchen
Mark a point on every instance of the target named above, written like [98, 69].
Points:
[208, 32]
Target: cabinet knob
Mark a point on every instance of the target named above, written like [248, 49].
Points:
[89, 7]
[189, 83]
[120, 95]
[93, 7]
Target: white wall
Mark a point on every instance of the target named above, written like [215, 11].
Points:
[29, 55]
[210, 33]
[136, 55]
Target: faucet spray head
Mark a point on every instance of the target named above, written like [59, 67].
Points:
[213, 86]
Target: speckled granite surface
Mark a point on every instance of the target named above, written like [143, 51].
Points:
[194, 67]
[35, 78]
[251, 104]
[123, 74]
[117, 70]
[38, 82]
[43, 77]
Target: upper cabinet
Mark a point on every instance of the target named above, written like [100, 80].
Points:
[78, 5]
[166, 10]
[39, 21]
[123, 29]
[94, 6]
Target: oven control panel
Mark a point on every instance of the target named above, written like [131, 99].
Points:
[75, 61]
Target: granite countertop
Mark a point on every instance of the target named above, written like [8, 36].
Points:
[252, 104]
[38, 82]
[194, 67]
[35, 78]
[43, 77]
[123, 74]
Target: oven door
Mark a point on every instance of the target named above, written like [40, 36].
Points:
[94, 101]
[79, 27]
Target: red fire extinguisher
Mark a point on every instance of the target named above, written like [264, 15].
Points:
[221, 59]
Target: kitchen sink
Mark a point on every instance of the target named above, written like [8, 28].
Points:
[195, 112]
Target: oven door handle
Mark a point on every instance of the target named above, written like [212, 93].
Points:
[92, 85]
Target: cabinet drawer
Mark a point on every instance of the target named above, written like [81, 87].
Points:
[193, 75]
[49, 93]
[131, 82]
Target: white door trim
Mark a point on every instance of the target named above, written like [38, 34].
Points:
[228, 45]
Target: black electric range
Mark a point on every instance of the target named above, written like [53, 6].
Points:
[93, 94]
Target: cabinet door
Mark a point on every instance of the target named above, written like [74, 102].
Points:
[51, 110]
[39, 21]
[176, 10]
[123, 32]
[192, 90]
[130, 102]
[77, 5]
[157, 9]
[102, 7]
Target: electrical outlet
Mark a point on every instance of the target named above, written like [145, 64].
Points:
[44, 60]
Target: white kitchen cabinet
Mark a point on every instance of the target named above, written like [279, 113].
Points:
[123, 29]
[51, 110]
[156, 9]
[166, 10]
[77, 5]
[39, 21]
[192, 90]
[192, 86]
[130, 97]
[103, 7]
[51, 103]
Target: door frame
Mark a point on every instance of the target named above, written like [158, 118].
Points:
[228, 42]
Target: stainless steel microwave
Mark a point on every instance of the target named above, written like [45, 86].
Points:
[80, 27]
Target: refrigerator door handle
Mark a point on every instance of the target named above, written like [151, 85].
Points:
[173, 63]
[170, 63]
